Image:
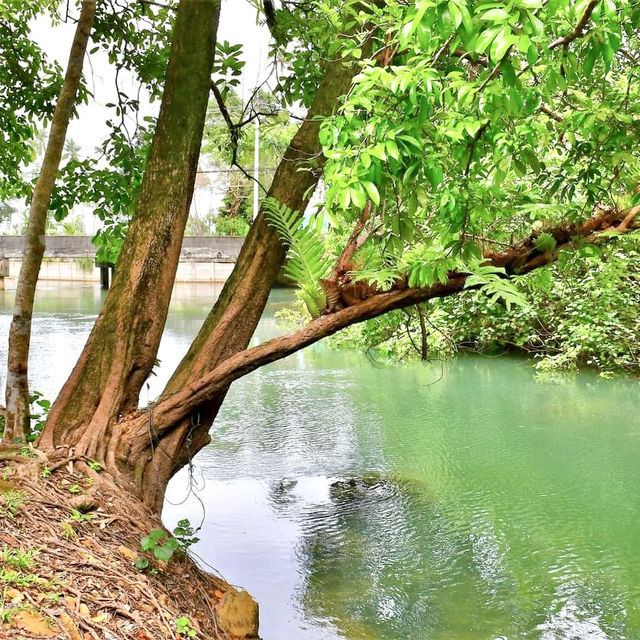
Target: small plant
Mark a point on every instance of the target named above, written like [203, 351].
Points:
[17, 578]
[17, 558]
[74, 488]
[68, 532]
[12, 501]
[39, 411]
[7, 613]
[95, 466]
[78, 516]
[184, 627]
[184, 534]
[46, 471]
[27, 452]
[160, 543]
[141, 563]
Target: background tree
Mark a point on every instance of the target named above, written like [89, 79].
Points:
[17, 419]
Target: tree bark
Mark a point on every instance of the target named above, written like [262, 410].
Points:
[123, 343]
[17, 425]
[235, 315]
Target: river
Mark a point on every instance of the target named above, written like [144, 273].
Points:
[355, 500]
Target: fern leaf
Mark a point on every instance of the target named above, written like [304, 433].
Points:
[307, 264]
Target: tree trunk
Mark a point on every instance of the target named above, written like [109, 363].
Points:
[235, 315]
[122, 347]
[123, 343]
[17, 425]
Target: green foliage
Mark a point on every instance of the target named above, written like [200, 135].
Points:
[491, 121]
[184, 628]
[28, 79]
[492, 282]
[77, 516]
[230, 226]
[185, 534]
[10, 502]
[307, 263]
[39, 411]
[163, 545]
[580, 312]
[160, 543]
[17, 558]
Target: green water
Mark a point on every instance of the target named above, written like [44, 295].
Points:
[355, 500]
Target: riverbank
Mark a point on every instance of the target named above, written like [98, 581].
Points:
[72, 565]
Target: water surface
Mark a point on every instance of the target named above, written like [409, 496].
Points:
[359, 501]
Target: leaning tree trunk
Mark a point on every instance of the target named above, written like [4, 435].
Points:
[176, 408]
[122, 347]
[17, 421]
[123, 343]
[235, 315]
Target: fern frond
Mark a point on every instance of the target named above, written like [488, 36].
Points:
[307, 263]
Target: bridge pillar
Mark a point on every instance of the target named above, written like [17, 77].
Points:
[106, 270]
[4, 270]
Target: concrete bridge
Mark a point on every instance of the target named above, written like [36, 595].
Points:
[72, 258]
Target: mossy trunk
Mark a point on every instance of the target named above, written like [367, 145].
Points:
[122, 347]
[235, 315]
[17, 420]
[90, 413]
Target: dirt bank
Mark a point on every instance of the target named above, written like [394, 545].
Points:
[72, 565]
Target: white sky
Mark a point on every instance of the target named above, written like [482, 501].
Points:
[237, 25]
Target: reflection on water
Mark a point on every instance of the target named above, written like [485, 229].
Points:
[363, 502]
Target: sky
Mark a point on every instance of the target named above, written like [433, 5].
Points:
[238, 25]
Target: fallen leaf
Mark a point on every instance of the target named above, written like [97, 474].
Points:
[68, 625]
[127, 553]
[14, 595]
[34, 623]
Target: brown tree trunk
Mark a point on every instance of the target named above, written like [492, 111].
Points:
[233, 319]
[123, 344]
[17, 425]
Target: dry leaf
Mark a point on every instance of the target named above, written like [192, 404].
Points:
[34, 623]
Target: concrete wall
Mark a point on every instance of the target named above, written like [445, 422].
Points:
[72, 258]
[211, 247]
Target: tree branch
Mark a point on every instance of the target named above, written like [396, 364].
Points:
[521, 257]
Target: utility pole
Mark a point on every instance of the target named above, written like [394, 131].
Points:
[256, 167]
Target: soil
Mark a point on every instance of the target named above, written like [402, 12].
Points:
[69, 544]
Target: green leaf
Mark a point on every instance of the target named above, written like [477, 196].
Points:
[434, 174]
[495, 15]
[372, 190]
[501, 44]
[485, 39]
[163, 553]
[545, 242]
[392, 149]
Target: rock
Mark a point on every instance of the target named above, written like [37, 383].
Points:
[83, 503]
[238, 614]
